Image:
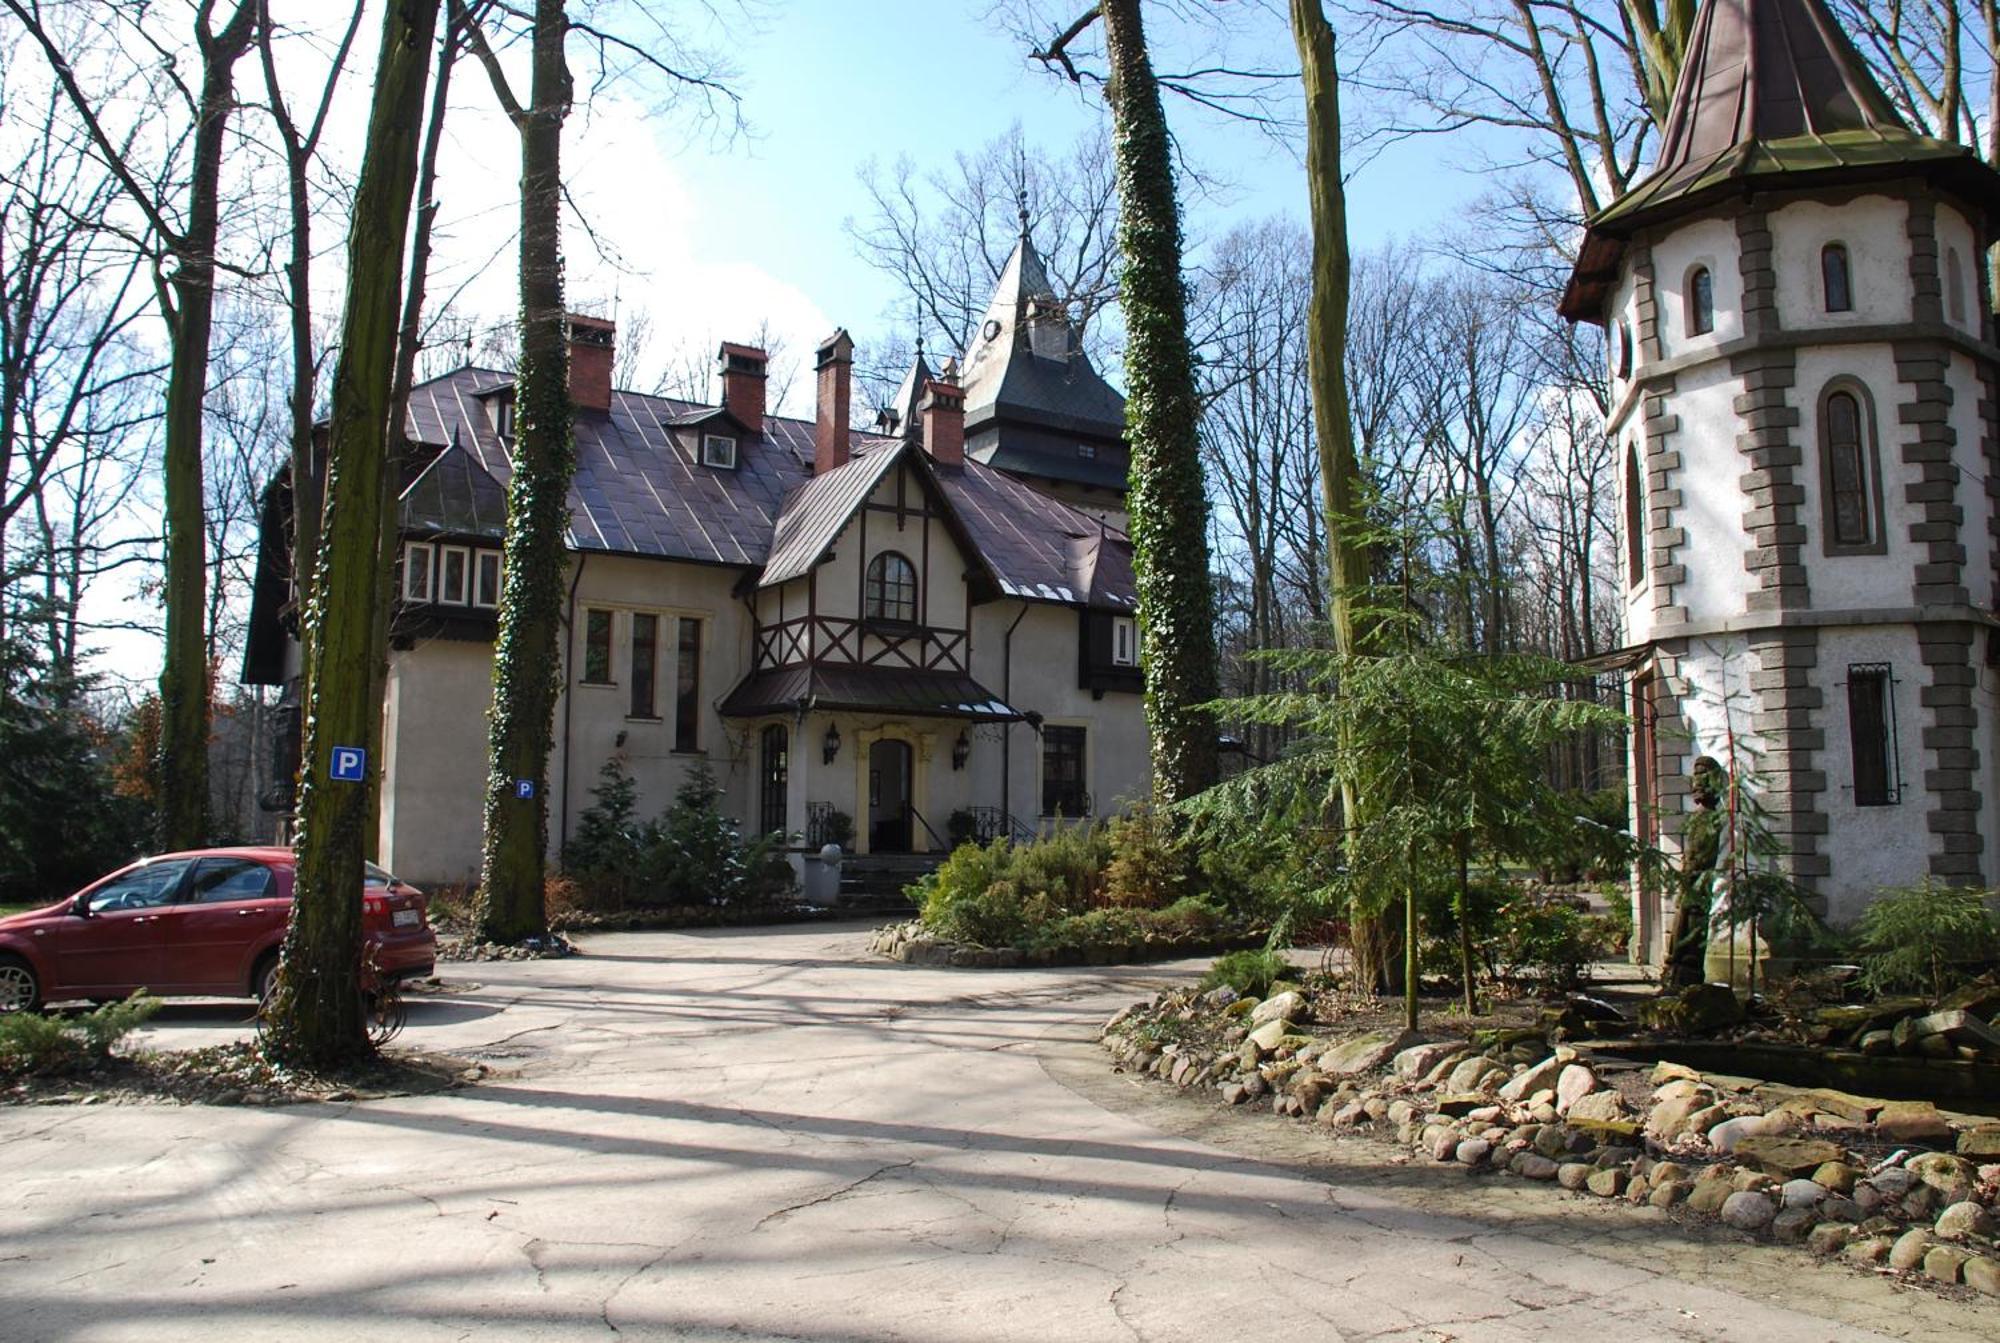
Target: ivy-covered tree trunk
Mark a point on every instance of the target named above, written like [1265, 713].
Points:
[1350, 559]
[1168, 503]
[527, 658]
[316, 1018]
[184, 669]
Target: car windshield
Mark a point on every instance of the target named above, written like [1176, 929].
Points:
[376, 876]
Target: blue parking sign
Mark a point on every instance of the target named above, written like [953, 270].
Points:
[524, 789]
[350, 764]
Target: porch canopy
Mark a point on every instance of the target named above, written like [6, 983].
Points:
[892, 690]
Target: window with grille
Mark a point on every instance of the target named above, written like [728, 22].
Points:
[1063, 792]
[486, 579]
[891, 589]
[418, 573]
[1851, 509]
[454, 575]
[1871, 728]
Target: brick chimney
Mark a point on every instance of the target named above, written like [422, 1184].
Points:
[743, 383]
[835, 363]
[592, 343]
[944, 422]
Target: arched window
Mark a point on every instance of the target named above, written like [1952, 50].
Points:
[1700, 302]
[1954, 286]
[1635, 520]
[892, 589]
[1624, 366]
[1835, 279]
[1849, 474]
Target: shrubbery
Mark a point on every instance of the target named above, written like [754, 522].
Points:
[691, 854]
[1250, 973]
[1122, 883]
[31, 1043]
[1927, 939]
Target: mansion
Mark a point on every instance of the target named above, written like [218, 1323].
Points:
[884, 632]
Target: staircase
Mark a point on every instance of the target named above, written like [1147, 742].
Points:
[873, 883]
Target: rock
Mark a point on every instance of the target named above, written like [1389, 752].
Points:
[1829, 1238]
[1533, 1166]
[1474, 1074]
[1255, 1085]
[1747, 1210]
[1909, 1250]
[1459, 1104]
[1802, 1194]
[1983, 1274]
[1876, 1043]
[1485, 1114]
[1219, 997]
[1668, 1194]
[1543, 1112]
[1598, 1107]
[1637, 1189]
[1792, 1224]
[1839, 1208]
[1573, 1085]
[1893, 1181]
[1669, 1118]
[1472, 1151]
[1414, 1062]
[1235, 1094]
[1872, 1251]
[1279, 1007]
[1697, 1010]
[1912, 1122]
[1551, 1140]
[1266, 1036]
[1375, 1107]
[1725, 1136]
[1961, 1028]
[1442, 1142]
[1364, 1053]
[1980, 1144]
[1837, 1176]
[1787, 1157]
[1665, 1072]
[1535, 1077]
[1574, 1175]
[1608, 1183]
[1346, 1116]
[1399, 1112]
[1961, 1220]
[1709, 1196]
[1943, 1264]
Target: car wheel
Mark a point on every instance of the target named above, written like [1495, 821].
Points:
[20, 990]
[266, 979]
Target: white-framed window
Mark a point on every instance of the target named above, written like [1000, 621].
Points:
[419, 572]
[454, 575]
[1124, 641]
[486, 574]
[503, 415]
[1087, 451]
[718, 450]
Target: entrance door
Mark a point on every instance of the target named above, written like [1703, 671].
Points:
[889, 797]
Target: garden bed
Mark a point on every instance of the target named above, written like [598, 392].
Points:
[236, 1074]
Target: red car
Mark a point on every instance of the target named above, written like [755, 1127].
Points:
[206, 923]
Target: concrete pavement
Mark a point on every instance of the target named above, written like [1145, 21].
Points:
[771, 1134]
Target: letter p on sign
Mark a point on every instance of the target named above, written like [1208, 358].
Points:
[350, 764]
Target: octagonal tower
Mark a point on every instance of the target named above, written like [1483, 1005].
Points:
[1803, 389]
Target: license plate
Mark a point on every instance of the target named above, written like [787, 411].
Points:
[407, 918]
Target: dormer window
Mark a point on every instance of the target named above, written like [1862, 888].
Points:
[1700, 302]
[454, 575]
[502, 407]
[1836, 281]
[1124, 641]
[1087, 451]
[486, 578]
[418, 573]
[718, 450]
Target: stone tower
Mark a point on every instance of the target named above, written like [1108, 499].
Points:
[1803, 391]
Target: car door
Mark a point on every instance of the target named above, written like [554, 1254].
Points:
[114, 948]
[228, 907]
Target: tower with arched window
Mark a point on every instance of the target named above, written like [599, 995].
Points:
[1803, 388]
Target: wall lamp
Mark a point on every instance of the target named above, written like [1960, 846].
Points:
[829, 747]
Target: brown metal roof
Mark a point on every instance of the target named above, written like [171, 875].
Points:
[826, 686]
[1772, 94]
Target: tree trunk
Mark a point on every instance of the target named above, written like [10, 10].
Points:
[1349, 557]
[184, 670]
[407, 341]
[527, 661]
[316, 1020]
[1465, 931]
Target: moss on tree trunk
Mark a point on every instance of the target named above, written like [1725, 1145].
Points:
[316, 1019]
[1168, 503]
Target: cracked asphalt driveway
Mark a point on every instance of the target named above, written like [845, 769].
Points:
[772, 1135]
